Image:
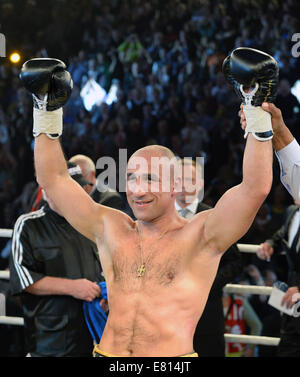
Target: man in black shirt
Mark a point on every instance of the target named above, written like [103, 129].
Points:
[54, 268]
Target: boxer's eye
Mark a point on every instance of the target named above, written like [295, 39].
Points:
[131, 177]
[152, 178]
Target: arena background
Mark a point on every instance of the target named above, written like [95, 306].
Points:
[160, 61]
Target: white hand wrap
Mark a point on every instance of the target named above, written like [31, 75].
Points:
[48, 122]
[258, 120]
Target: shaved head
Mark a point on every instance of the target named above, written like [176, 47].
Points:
[151, 181]
[155, 150]
[84, 162]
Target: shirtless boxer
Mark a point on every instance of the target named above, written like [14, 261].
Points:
[160, 268]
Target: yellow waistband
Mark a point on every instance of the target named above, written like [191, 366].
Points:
[193, 354]
[105, 354]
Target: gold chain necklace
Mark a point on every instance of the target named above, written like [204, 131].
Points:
[142, 269]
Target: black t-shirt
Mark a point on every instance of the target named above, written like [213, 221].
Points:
[45, 244]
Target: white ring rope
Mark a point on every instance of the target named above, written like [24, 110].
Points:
[243, 247]
[7, 233]
[247, 248]
[4, 275]
[250, 289]
[232, 338]
[17, 321]
[252, 339]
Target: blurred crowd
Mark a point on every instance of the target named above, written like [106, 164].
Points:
[165, 59]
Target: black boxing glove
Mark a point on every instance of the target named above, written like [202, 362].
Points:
[51, 86]
[254, 76]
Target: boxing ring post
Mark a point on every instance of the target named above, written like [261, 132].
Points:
[230, 288]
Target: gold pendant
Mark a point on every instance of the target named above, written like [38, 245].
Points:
[141, 270]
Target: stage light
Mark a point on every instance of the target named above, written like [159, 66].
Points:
[15, 57]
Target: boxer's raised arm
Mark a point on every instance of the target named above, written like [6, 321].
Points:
[51, 85]
[74, 203]
[235, 211]
[254, 76]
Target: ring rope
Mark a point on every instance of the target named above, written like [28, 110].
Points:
[247, 248]
[251, 289]
[243, 248]
[232, 338]
[7, 233]
[252, 339]
[17, 321]
[4, 275]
